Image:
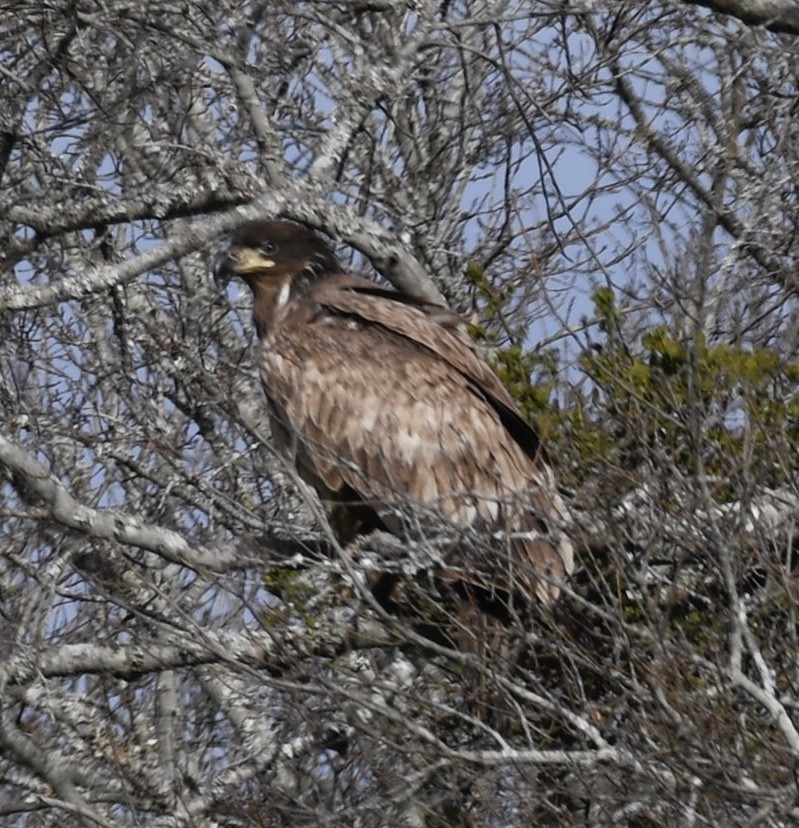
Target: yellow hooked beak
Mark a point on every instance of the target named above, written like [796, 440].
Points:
[239, 261]
[248, 259]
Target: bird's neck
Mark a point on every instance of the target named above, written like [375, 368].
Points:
[271, 298]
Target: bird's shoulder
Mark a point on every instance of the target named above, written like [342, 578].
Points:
[369, 308]
[351, 325]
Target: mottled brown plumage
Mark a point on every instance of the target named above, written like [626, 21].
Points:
[388, 409]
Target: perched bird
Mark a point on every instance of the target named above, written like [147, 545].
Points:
[387, 408]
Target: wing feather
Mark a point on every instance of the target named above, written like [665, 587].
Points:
[388, 401]
[433, 327]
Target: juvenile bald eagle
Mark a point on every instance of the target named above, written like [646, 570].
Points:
[388, 410]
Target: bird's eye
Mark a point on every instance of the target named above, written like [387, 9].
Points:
[268, 247]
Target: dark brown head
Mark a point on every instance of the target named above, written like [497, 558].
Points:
[275, 250]
[278, 260]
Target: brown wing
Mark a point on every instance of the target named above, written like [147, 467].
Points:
[439, 330]
[398, 406]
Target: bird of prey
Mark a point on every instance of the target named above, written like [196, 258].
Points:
[388, 409]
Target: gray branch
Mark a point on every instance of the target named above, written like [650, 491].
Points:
[775, 15]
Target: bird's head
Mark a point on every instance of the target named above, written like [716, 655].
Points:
[279, 261]
[269, 253]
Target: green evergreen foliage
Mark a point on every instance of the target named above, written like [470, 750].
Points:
[529, 375]
[718, 404]
[718, 408]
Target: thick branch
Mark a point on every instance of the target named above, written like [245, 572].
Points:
[388, 257]
[135, 660]
[107, 524]
[52, 221]
[775, 15]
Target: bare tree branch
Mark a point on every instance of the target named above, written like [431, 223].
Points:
[608, 195]
[775, 15]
